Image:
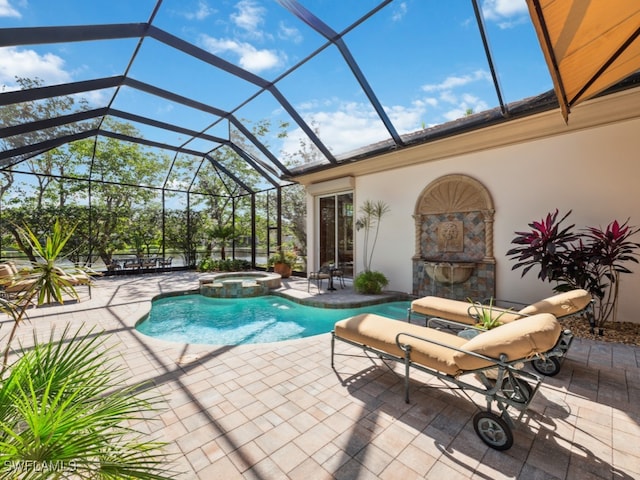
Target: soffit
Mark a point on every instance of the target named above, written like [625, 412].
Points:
[588, 45]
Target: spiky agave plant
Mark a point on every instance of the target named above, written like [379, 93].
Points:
[65, 412]
[47, 281]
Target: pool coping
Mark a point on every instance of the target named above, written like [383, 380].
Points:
[386, 297]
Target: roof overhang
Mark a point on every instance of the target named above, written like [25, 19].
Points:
[588, 45]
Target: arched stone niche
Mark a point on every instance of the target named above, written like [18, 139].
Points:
[454, 231]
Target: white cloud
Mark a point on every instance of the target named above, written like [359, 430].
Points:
[447, 96]
[6, 10]
[97, 97]
[448, 93]
[248, 20]
[494, 9]
[464, 104]
[506, 13]
[399, 12]
[407, 119]
[249, 16]
[16, 62]
[289, 33]
[202, 12]
[346, 126]
[458, 81]
[249, 57]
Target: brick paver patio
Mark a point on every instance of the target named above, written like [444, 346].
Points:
[279, 410]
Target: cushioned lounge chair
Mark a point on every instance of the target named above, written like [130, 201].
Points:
[74, 279]
[562, 305]
[491, 357]
[11, 282]
[459, 314]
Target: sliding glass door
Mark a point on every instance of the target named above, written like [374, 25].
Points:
[336, 231]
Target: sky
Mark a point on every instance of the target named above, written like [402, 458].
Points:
[423, 60]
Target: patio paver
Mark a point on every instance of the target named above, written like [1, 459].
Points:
[279, 410]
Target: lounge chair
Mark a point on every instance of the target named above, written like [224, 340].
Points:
[562, 305]
[11, 281]
[491, 357]
[459, 314]
[74, 279]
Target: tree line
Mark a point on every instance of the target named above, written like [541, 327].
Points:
[124, 197]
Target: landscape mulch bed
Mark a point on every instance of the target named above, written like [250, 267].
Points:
[615, 332]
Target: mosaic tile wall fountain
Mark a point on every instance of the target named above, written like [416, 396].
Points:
[454, 240]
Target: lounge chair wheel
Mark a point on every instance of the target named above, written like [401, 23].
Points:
[549, 366]
[493, 430]
[517, 390]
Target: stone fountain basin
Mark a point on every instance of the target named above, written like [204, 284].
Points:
[449, 272]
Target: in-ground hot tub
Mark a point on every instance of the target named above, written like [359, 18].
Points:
[239, 284]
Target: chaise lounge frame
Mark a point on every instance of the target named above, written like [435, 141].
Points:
[503, 384]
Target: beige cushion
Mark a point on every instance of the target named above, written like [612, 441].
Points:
[455, 310]
[20, 286]
[13, 267]
[82, 278]
[517, 340]
[5, 271]
[560, 305]
[380, 333]
[67, 277]
[11, 281]
[318, 276]
[77, 278]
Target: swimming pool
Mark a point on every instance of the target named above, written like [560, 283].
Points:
[266, 319]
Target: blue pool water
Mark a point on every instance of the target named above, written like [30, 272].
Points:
[226, 321]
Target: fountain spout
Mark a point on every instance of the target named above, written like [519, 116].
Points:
[449, 272]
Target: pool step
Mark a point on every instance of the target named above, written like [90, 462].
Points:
[234, 289]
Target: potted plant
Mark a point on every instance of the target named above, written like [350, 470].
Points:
[592, 260]
[486, 316]
[369, 281]
[283, 262]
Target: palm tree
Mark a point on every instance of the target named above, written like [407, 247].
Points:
[372, 213]
[223, 233]
[65, 411]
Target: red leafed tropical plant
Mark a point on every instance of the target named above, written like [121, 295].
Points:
[592, 260]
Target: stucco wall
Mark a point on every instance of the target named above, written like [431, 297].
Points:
[594, 172]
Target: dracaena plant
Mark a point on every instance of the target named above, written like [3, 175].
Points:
[592, 259]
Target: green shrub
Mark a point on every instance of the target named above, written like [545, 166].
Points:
[370, 282]
[227, 265]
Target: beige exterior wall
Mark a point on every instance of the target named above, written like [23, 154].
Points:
[530, 168]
